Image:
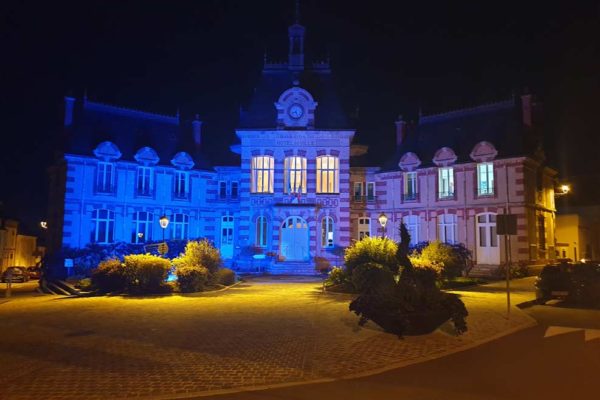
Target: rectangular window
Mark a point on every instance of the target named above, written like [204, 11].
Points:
[181, 185]
[485, 179]
[410, 186]
[371, 191]
[262, 174]
[412, 225]
[142, 227]
[295, 175]
[105, 177]
[222, 190]
[446, 182]
[364, 228]
[103, 226]
[144, 182]
[358, 191]
[542, 232]
[447, 228]
[328, 174]
[180, 226]
[234, 190]
[261, 231]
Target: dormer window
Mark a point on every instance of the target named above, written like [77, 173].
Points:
[105, 177]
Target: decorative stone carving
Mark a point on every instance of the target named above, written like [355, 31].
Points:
[183, 160]
[296, 109]
[107, 151]
[409, 162]
[483, 152]
[444, 157]
[147, 156]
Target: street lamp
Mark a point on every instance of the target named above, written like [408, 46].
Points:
[565, 188]
[383, 221]
[164, 222]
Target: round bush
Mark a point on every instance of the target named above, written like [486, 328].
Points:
[225, 276]
[191, 278]
[146, 273]
[376, 250]
[110, 276]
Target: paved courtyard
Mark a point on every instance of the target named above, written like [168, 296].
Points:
[263, 332]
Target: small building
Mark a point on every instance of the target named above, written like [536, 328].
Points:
[578, 233]
[17, 249]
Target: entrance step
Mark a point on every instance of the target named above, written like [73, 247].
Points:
[483, 271]
[292, 268]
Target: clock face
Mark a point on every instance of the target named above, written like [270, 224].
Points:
[296, 111]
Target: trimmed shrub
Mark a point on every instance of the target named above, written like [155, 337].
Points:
[336, 276]
[146, 273]
[376, 250]
[449, 260]
[225, 277]
[373, 277]
[110, 276]
[191, 278]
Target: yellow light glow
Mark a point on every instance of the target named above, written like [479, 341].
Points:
[565, 189]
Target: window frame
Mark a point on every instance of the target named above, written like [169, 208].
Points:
[234, 194]
[222, 190]
[262, 177]
[109, 226]
[328, 174]
[292, 172]
[489, 179]
[180, 225]
[144, 173]
[327, 232]
[410, 195]
[444, 226]
[446, 189]
[362, 224]
[181, 180]
[370, 191]
[358, 196]
[412, 223]
[261, 232]
[102, 184]
[144, 226]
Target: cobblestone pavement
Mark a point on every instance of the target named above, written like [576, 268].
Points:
[264, 332]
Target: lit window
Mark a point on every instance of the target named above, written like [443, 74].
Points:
[485, 179]
[142, 227]
[103, 226]
[412, 225]
[541, 232]
[180, 226]
[370, 191]
[222, 190]
[262, 174]
[327, 174]
[327, 232]
[181, 185]
[144, 182]
[261, 231]
[105, 177]
[446, 182]
[410, 186]
[364, 228]
[447, 228]
[234, 190]
[295, 175]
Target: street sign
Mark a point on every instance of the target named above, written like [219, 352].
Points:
[506, 224]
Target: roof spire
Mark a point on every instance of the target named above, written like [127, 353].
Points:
[296, 37]
[297, 12]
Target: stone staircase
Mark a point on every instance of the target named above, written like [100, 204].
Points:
[292, 268]
[483, 271]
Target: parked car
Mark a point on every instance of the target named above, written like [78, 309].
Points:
[17, 274]
[577, 283]
[553, 282]
[34, 272]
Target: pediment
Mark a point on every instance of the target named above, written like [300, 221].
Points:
[183, 160]
[107, 151]
[147, 156]
[444, 157]
[483, 151]
[409, 162]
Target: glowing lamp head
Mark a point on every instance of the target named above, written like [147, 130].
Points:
[44, 224]
[565, 189]
[382, 220]
[164, 222]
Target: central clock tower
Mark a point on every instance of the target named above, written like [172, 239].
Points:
[296, 109]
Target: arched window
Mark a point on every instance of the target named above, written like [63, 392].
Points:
[262, 174]
[447, 228]
[261, 231]
[295, 175]
[103, 226]
[105, 177]
[327, 232]
[412, 225]
[328, 168]
[142, 227]
[180, 226]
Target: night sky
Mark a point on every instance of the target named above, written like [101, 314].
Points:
[205, 56]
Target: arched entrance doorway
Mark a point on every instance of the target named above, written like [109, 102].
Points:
[294, 239]
[488, 250]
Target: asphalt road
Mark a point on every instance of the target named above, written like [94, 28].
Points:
[525, 365]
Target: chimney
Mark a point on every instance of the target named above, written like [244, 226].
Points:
[69, 105]
[400, 131]
[197, 131]
[527, 109]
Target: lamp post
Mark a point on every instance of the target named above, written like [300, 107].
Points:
[383, 221]
[164, 222]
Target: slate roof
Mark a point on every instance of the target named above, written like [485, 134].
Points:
[94, 123]
[498, 123]
[261, 113]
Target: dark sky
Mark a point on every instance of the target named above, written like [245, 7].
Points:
[204, 57]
